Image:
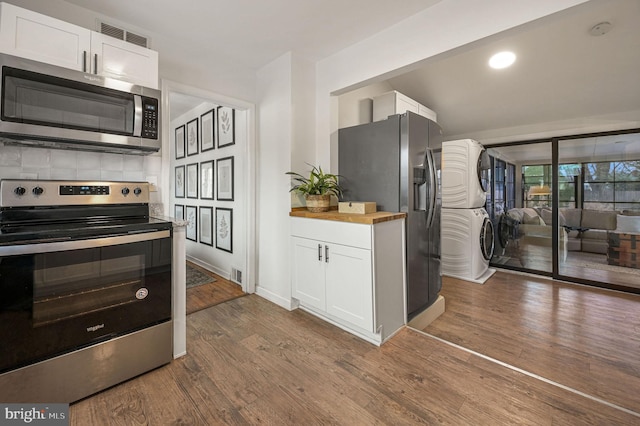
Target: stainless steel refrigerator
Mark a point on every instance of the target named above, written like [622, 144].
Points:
[396, 163]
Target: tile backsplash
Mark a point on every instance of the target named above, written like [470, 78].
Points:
[42, 163]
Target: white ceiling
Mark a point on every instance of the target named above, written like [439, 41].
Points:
[562, 73]
[255, 32]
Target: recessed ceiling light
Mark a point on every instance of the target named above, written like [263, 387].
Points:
[502, 60]
[600, 29]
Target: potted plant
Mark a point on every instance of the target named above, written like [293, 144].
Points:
[317, 188]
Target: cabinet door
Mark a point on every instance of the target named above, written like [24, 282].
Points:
[308, 272]
[349, 285]
[41, 38]
[404, 104]
[121, 60]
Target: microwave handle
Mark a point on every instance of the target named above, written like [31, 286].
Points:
[137, 118]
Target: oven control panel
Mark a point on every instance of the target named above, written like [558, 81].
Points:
[84, 189]
[18, 193]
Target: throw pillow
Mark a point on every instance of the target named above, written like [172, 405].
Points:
[599, 219]
[528, 219]
[628, 224]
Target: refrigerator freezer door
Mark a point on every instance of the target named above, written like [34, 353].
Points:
[368, 163]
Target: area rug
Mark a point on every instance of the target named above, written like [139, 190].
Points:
[606, 267]
[196, 277]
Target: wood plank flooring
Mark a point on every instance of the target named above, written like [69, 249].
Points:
[581, 337]
[251, 362]
[210, 294]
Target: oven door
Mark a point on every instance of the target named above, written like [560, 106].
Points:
[56, 297]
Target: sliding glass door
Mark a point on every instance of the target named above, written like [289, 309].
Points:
[599, 209]
[521, 207]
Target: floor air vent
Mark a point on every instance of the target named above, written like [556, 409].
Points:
[236, 275]
[122, 34]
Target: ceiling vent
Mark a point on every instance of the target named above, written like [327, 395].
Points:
[122, 34]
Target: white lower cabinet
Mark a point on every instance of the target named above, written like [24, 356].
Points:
[350, 274]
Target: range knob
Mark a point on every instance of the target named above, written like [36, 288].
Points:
[20, 191]
[37, 190]
[125, 191]
[137, 191]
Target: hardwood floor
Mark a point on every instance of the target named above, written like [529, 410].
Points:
[210, 294]
[581, 337]
[251, 362]
[581, 265]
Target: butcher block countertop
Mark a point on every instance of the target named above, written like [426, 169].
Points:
[366, 219]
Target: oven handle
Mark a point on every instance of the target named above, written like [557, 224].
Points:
[82, 244]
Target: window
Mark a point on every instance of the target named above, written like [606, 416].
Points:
[510, 186]
[569, 178]
[603, 185]
[499, 187]
[536, 185]
[612, 185]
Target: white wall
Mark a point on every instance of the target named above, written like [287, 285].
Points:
[275, 128]
[445, 26]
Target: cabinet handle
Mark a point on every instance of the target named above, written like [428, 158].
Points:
[84, 61]
[95, 63]
[326, 254]
[320, 252]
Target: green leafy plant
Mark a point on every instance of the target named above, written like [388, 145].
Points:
[318, 183]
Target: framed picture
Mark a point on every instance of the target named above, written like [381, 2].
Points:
[206, 225]
[208, 126]
[178, 212]
[179, 142]
[225, 179]
[224, 229]
[192, 180]
[226, 126]
[192, 137]
[206, 180]
[192, 223]
[179, 184]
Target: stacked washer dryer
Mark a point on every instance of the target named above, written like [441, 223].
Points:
[466, 229]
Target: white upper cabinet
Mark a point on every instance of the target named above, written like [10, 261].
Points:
[394, 102]
[119, 59]
[41, 38]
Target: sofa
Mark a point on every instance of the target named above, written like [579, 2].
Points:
[584, 230]
[532, 231]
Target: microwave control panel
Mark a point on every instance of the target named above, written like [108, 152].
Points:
[149, 118]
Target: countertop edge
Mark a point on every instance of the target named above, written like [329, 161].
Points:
[365, 219]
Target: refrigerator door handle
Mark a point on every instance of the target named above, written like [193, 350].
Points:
[431, 173]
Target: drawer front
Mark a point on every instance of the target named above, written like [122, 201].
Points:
[348, 234]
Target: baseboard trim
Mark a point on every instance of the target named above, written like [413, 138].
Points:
[426, 317]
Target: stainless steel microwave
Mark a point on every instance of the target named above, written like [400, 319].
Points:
[51, 106]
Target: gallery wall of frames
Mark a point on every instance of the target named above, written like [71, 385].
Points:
[205, 147]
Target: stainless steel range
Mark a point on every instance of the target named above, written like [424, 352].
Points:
[85, 288]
